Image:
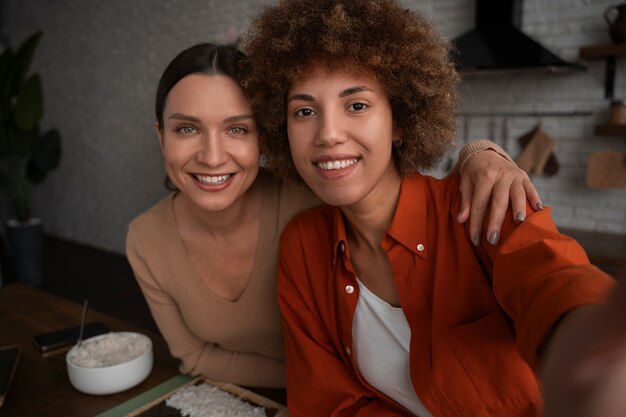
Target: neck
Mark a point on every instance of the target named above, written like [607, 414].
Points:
[369, 220]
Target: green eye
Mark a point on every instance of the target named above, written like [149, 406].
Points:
[238, 130]
[187, 130]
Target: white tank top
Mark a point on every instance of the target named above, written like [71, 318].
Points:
[381, 337]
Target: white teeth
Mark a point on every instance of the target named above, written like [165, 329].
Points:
[330, 165]
[210, 180]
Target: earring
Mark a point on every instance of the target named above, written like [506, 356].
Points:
[396, 142]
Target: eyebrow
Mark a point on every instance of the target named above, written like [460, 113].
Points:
[345, 93]
[354, 90]
[181, 116]
[238, 118]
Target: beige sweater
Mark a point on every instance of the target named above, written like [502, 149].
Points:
[239, 342]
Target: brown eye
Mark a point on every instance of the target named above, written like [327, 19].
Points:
[306, 112]
[358, 107]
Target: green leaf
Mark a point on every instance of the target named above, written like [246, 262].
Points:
[6, 60]
[47, 151]
[23, 58]
[29, 104]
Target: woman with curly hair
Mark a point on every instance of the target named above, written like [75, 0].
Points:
[391, 307]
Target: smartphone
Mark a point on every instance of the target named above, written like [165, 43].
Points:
[9, 357]
[68, 336]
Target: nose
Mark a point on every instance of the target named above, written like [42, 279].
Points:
[212, 151]
[331, 130]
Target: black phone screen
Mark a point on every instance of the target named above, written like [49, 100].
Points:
[67, 336]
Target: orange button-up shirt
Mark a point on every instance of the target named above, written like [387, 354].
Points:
[478, 315]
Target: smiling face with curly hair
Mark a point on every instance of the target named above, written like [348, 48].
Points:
[340, 129]
[379, 39]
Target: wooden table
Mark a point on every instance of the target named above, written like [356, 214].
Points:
[41, 386]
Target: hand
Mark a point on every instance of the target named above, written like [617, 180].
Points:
[487, 176]
[584, 369]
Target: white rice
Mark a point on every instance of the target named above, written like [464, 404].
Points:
[206, 400]
[110, 349]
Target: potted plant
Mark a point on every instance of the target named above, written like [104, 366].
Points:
[26, 156]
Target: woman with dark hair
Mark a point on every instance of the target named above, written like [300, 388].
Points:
[206, 255]
[391, 307]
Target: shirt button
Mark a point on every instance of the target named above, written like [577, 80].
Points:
[349, 289]
[342, 247]
[420, 247]
[348, 350]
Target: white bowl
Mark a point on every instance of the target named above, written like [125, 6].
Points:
[108, 379]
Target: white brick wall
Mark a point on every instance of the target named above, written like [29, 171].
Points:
[100, 62]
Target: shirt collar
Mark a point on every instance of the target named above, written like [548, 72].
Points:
[408, 225]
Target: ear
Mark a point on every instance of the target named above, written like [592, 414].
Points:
[397, 132]
[159, 133]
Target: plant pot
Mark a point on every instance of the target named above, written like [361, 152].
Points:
[26, 250]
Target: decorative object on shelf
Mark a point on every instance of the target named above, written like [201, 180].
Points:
[26, 155]
[617, 23]
[538, 147]
[609, 53]
[618, 112]
[606, 170]
[551, 166]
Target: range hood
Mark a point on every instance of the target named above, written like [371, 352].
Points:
[497, 45]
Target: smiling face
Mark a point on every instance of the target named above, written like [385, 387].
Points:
[340, 129]
[209, 141]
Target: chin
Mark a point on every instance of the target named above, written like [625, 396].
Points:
[337, 198]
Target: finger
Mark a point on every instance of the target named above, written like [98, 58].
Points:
[532, 195]
[480, 201]
[518, 200]
[497, 211]
[466, 198]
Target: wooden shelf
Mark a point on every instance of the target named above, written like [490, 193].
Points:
[610, 53]
[603, 51]
[610, 130]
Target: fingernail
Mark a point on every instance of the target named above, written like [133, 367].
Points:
[519, 217]
[493, 238]
[539, 206]
[476, 239]
[458, 218]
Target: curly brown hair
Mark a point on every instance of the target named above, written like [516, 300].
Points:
[399, 47]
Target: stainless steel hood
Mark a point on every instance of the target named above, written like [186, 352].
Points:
[497, 44]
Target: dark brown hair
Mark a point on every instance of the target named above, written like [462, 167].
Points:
[399, 47]
[203, 58]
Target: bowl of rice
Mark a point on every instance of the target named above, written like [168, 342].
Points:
[110, 362]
